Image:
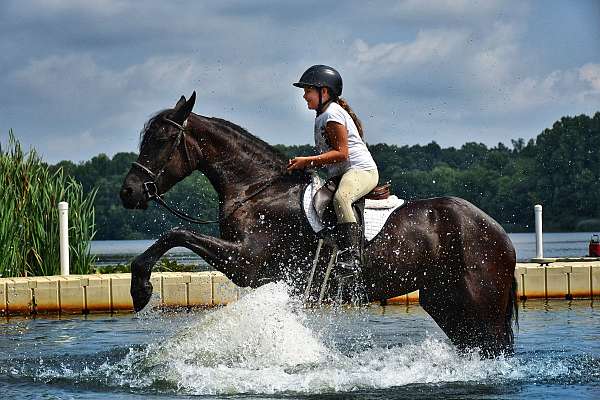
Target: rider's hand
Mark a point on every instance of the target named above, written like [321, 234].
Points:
[299, 163]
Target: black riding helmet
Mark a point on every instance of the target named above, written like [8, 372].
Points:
[320, 76]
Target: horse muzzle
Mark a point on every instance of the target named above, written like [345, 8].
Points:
[132, 198]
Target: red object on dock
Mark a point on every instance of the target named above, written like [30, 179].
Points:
[595, 246]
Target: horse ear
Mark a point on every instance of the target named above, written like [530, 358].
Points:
[182, 111]
[180, 103]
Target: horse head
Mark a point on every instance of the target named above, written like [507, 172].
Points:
[164, 156]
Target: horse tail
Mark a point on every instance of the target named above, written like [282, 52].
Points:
[512, 312]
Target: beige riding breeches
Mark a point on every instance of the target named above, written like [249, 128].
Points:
[355, 183]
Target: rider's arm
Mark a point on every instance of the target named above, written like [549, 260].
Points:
[338, 140]
[337, 136]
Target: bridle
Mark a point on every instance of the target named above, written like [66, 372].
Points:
[151, 189]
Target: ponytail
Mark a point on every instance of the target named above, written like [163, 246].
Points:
[344, 104]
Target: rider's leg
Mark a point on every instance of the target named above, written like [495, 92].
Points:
[353, 185]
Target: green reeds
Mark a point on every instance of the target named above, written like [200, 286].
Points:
[29, 197]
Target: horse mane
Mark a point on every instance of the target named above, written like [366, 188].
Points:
[144, 135]
[259, 146]
[265, 153]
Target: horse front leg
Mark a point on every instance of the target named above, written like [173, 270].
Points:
[214, 250]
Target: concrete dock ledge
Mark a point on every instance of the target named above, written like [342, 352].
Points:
[570, 279]
[110, 292]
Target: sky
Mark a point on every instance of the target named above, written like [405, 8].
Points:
[79, 78]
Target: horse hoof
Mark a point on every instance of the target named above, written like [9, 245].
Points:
[141, 295]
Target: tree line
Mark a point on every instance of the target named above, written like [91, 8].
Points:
[559, 169]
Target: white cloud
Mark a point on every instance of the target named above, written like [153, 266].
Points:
[78, 78]
[493, 59]
[591, 74]
[102, 8]
[489, 68]
[414, 71]
[66, 145]
[572, 86]
[428, 46]
[445, 8]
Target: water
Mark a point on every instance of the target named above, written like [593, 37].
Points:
[267, 346]
[573, 244]
[111, 252]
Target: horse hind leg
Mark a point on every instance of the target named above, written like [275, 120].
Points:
[472, 319]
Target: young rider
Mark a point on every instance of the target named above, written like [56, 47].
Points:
[343, 153]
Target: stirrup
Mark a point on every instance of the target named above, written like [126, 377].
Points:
[349, 267]
[346, 274]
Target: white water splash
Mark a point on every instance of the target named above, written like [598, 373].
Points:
[261, 344]
[266, 343]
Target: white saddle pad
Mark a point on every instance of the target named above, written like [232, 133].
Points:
[376, 211]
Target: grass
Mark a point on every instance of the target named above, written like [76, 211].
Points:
[163, 265]
[30, 195]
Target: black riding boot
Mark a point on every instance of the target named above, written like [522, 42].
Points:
[349, 266]
[348, 241]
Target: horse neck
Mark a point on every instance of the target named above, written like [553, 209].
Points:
[231, 158]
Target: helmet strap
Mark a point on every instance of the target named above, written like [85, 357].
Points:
[320, 106]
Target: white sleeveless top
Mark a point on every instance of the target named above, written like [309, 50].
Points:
[359, 156]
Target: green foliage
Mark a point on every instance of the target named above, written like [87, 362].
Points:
[30, 194]
[163, 265]
[560, 169]
[194, 194]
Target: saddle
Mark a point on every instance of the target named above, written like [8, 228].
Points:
[371, 212]
[323, 201]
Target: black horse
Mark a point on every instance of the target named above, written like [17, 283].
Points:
[460, 259]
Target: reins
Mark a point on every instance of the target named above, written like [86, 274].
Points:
[151, 190]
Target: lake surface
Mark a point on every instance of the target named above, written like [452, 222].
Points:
[267, 346]
[555, 245]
